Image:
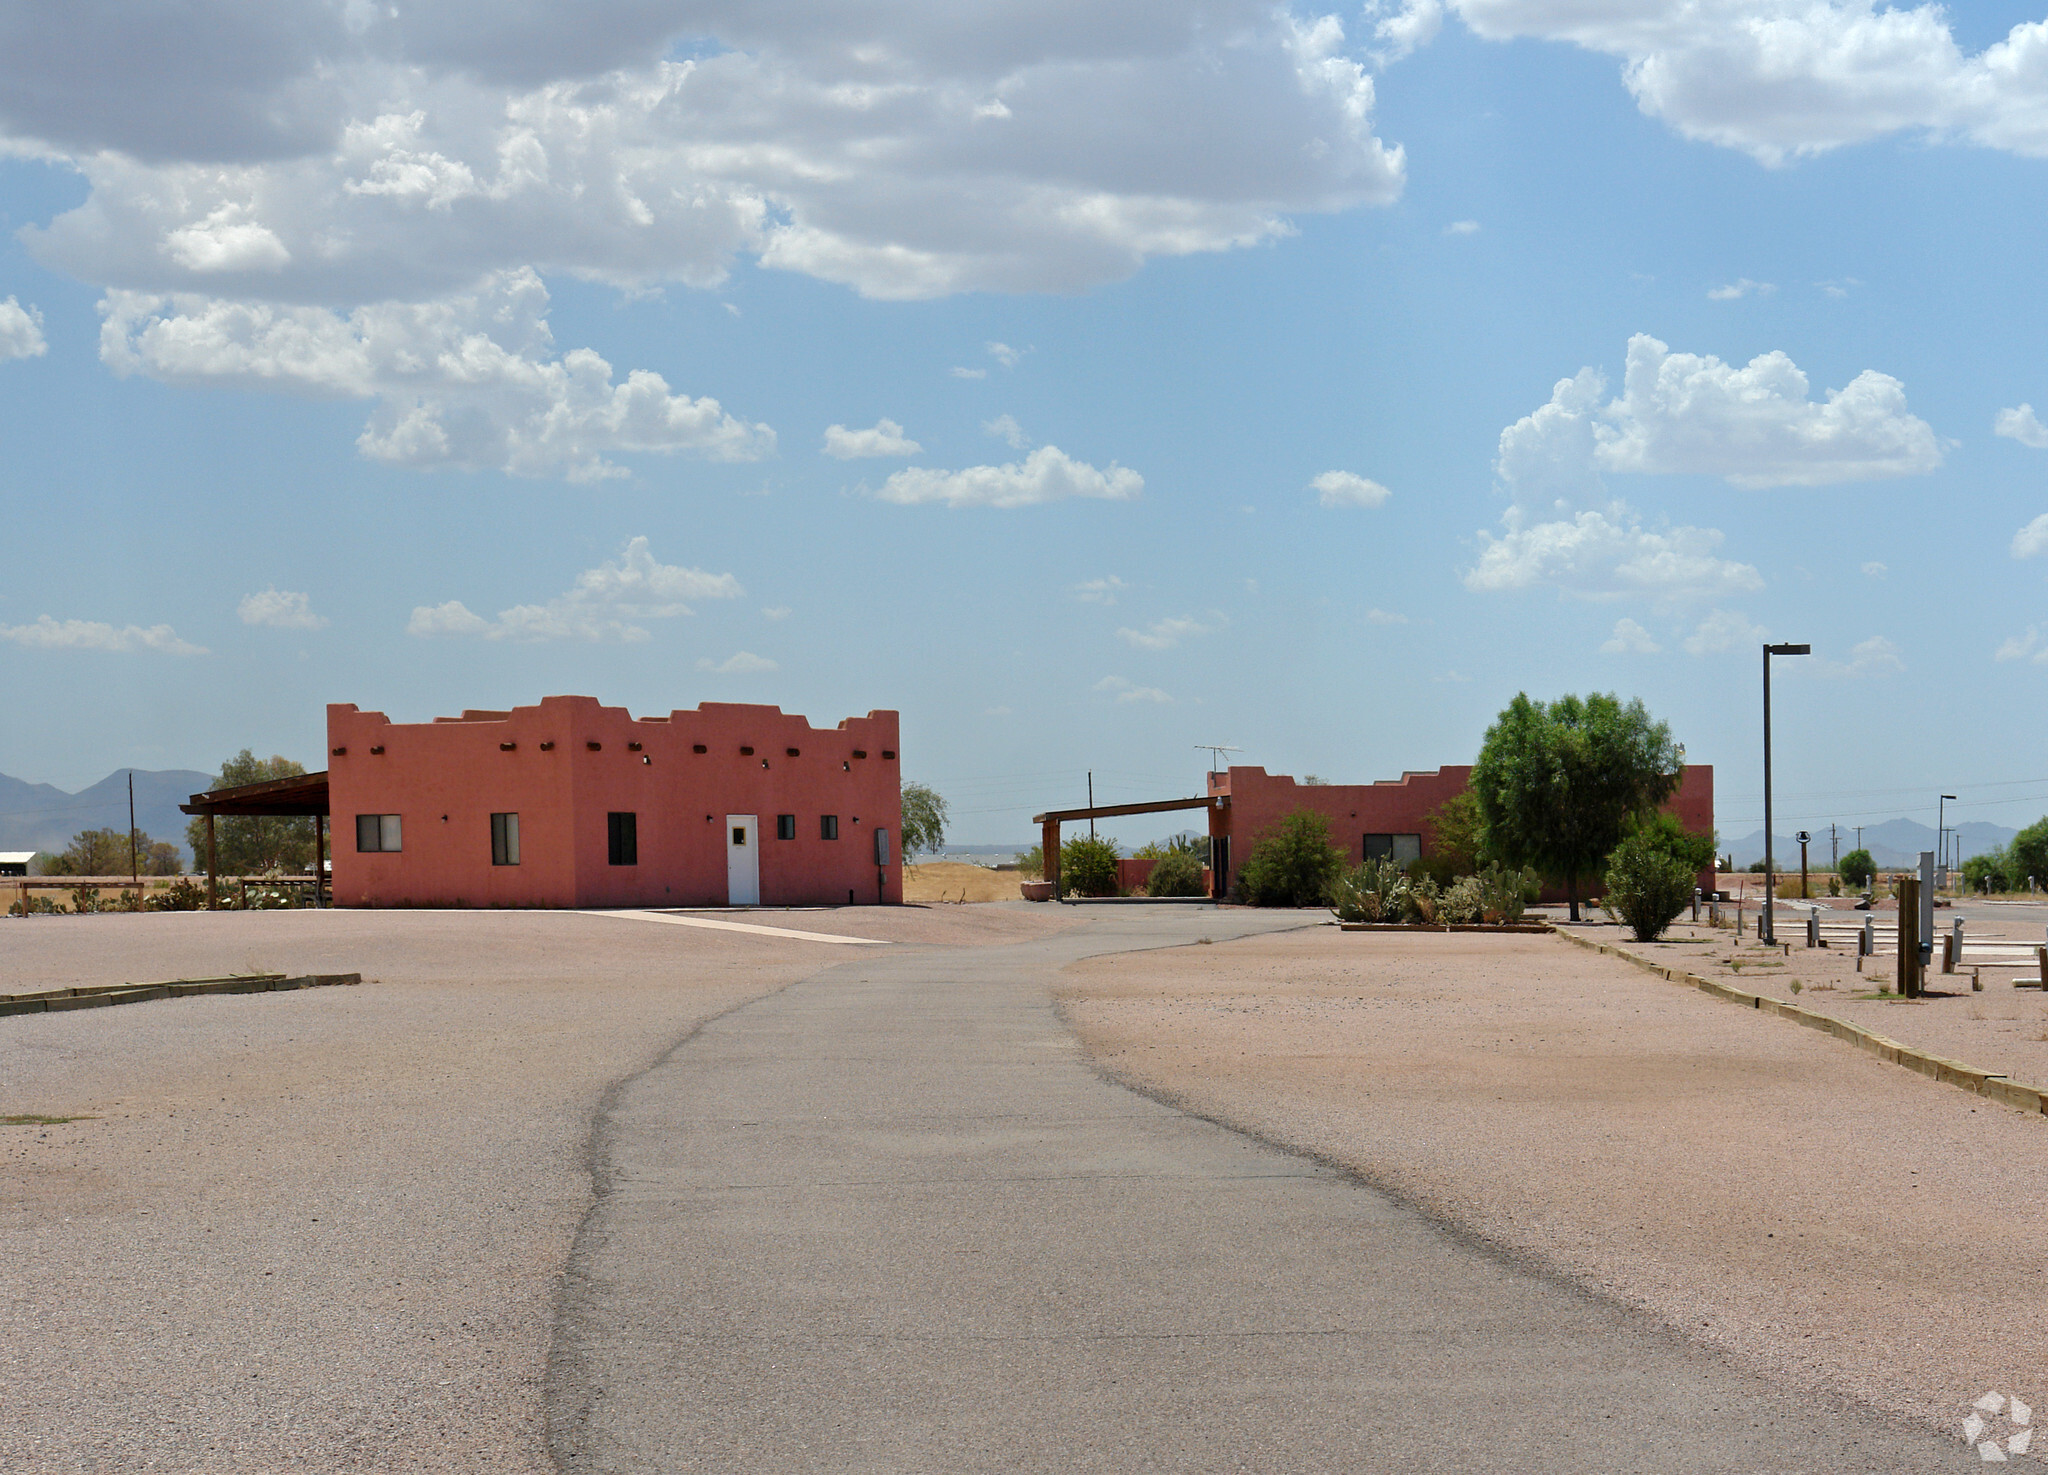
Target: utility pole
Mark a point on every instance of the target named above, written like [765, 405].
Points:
[1834, 849]
[1766, 931]
[1859, 837]
[134, 866]
[1091, 803]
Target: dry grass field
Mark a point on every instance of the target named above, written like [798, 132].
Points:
[955, 880]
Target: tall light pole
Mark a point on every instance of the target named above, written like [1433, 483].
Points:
[1941, 828]
[1769, 932]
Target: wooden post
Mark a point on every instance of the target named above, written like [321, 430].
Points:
[2040, 956]
[319, 860]
[1049, 843]
[212, 881]
[1907, 889]
[1948, 952]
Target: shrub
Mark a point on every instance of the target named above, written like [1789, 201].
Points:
[1856, 868]
[85, 899]
[1294, 865]
[1372, 892]
[1031, 863]
[1177, 874]
[1646, 888]
[1994, 866]
[1088, 867]
[179, 896]
[1463, 904]
[1506, 891]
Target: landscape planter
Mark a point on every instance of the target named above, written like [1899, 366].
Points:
[1516, 927]
[1036, 890]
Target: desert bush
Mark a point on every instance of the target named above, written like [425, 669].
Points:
[1088, 867]
[85, 899]
[1463, 904]
[37, 906]
[1506, 891]
[1856, 868]
[1293, 865]
[179, 896]
[1178, 873]
[1420, 902]
[1646, 887]
[1372, 892]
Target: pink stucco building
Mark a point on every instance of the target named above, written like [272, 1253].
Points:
[1388, 818]
[570, 803]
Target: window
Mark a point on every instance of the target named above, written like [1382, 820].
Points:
[828, 827]
[739, 835]
[504, 839]
[785, 827]
[1398, 848]
[378, 832]
[622, 836]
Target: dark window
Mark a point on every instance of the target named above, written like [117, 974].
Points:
[379, 832]
[504, 839]
[785, 827]
[1398, 848]
[622, 838]
[828, 827]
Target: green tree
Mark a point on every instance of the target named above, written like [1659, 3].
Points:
[2028, 854]
[105, 853]
[1088, 867]
[1292, 865]
[1856, 868]
[1662, 831]
[249, 844]
[924, 820]
[1995, 866]
[1557, 783]
[1457, 833]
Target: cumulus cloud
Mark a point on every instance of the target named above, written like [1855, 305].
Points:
[1343, 489]
[1003, 354]
[1126, 692]
[470, 381]
[1876, 656]
[605, 603]
[1048, 474]
[1783, 78]
[2022, 425]
[1100, 591]
[1005, 428]
[1412, 26]
[1462, 228]
[1722, 631]
[885, 439]
[1736, 290]
[2027, 647]
[1876, 570]
[21, 331]
[1630, 639]
[739, 663]
[281, 609]
[48, 634]
[316, 152]
[1166, 634]
[2032, 539]
[1604, 553]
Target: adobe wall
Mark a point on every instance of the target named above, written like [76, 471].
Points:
[1259, 801]
[562, 766]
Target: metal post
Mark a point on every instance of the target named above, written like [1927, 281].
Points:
[1926, 932]
[1765, 930]
[212, 882]
[1941, 830]
[319, 860]
[1867, 947]
[134, 865]
[1804, 894]
[1091, 803]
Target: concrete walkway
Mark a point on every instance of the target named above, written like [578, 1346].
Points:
[890, 1220]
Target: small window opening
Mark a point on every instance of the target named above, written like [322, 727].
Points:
[785, 827]
[622, 839]
[504, 839]
[828, 827]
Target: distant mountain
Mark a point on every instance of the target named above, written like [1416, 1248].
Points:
[39, 817]
[1892, 844]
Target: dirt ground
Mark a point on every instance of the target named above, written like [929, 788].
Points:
[1822, 1216]
[958, 881]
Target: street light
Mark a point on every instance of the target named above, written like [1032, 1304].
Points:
[1941, 830]
[1768, 932]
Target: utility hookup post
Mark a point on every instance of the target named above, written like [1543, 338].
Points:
[1908, 977]
[1925, 935]
[1803, 839]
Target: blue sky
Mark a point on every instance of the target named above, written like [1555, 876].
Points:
[1203, 373]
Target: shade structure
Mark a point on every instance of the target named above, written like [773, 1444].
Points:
[301, 795]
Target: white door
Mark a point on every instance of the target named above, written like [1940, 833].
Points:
[742, 860]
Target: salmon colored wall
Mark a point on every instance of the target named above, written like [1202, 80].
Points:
[447, 777]
[1259, 801]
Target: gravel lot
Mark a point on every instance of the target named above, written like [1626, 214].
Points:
[324, 1230]
[1828, 1219]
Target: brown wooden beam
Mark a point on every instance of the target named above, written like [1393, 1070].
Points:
[1110, 811]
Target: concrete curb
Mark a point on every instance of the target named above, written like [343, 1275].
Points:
[1990, 1084]
[100, 996]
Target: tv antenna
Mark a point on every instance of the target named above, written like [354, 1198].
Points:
[1216, 752]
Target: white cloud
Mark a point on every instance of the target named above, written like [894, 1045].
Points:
[21, 331]
[1601, 554]
[604, 604]
[1876, 656]
[1409, 28]
[908, 150]
[1722, 631]
[281, 609]
[1384, 617]
[2032, 539]
[1462, 228]
[1003, 354]
[1875, 570]
[1450, 678]
[1048, 474]
[960, 372]
[1343, 489]
[1630, 639]
[1691, 413]
[2021, 425]
[777, 612]
[1166, 634]
[469, 381]
[2027, 647]
[739, 663]
[1126, 692]
[1005, 428]
[48, 634]
[1736, 290]
[885, 439]
[1100, 591]
[1782, 78]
